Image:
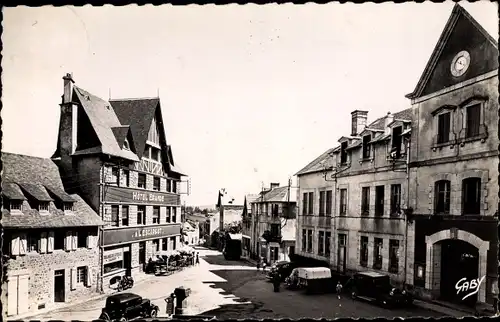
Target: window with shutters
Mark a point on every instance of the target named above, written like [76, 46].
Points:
[125, 214]
[81, 275]
[156, 183]
[329, 202]
[363, 258]
[82, 239]
[473, 120]
[59, 239]
[343, 202]
[471, 196]
[365, 201]
[33, 239]
[141, 181]
[442, 197]
[141, 215]
[321, 203]
[156, 215]
[444, 121]
[114, 216]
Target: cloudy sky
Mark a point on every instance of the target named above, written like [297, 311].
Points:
[250, 94]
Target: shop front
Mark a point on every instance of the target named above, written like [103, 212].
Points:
[127, 249]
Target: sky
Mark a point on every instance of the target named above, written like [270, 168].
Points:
[250, 94]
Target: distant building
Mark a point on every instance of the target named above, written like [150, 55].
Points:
[247, 227]
[191, 232]
[50, 238]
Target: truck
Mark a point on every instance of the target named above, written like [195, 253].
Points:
[315, 279]
[232, 246]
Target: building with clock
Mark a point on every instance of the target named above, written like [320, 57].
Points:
[116, 156]
[452, 234]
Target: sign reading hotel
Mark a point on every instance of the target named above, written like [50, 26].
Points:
[139, 196]
[134, 234]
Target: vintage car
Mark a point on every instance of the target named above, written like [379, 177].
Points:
[128, 306]
[376, 287]
[284, 268]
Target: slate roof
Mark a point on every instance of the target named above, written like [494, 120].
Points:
[318, 164]
[249, 199]
[279, 194]
[39, 178]
[12, 191]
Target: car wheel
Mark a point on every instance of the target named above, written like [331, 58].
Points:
[123, 319]
[104, 317]
[153, 314]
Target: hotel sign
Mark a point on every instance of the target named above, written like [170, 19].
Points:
[140, 196]
[135, 234]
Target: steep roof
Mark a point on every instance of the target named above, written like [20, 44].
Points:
[318, 164]
[279, 194]
[39, 179]
[457, 16]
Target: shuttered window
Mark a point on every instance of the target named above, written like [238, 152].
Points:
[473, 120]
[443, 134]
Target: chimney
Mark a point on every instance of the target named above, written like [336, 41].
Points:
[274, 185]
[359, 119]
[388, 120]
[68, 88]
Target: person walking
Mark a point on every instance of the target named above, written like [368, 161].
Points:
[276, 282]
[197, 258]
[339, 289]
[258, 264]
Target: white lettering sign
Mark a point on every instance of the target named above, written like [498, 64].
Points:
[141, 196]
[464, 286]
[147, 232]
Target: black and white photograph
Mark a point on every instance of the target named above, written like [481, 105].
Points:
[245, 161]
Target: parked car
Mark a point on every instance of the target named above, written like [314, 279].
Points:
[284, 268]
[128, 306]
[376, 287]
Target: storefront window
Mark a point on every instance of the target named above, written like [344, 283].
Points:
[110, 267]
[164, 244]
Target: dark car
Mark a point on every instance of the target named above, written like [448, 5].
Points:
[284, 268]
[377, 287]
[128, 306]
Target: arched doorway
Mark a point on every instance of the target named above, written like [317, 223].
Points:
[459, 259]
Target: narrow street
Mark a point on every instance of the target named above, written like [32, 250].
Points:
[235, 289]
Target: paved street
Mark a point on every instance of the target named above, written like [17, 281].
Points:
[229, 289]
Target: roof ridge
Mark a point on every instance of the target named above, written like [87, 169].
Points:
[26, 155]
[134, 99]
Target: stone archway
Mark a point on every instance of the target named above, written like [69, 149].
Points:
[433, 258]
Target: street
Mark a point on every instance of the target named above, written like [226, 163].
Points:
[235, 289]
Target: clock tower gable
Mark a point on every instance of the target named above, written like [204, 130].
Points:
[464, 51]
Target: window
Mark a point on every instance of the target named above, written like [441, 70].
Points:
[16, 205]
[442, 197]
[321, 242]
[141, 181]
[169, 185]
[156, 215]
[155, 154]
[33, 239]
[471, 196]
[164, 244]
[43, 206]
[393, 256]
[309, 241]
[113, 266]
[311, 203]
[114, 216]
[126, 145]
[329, 202]
[125, 213]
[174, 214]
[379, 200]
[343, 202]
[59, 238]
[473, 120]
[114, 175]
[343, 153]
[304, 204]
[126, 175]
[82, 239]
[68, 206]
[321, 203]
[174, 186]
[169, 219]
[141, 215]
[365, 201]
[328, 236]
[304, 240]
[395, 199]
[81, 275]
[156, 245]
[275, 210]
[366, 146]
[174, 242]
[275, 229]
[396, 141]
[156, 183]
[363, 258]
[377, 253]
[443, 134]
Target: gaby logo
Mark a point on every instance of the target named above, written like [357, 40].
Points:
[463, 286]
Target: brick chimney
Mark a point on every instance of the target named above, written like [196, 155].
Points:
[68, 119]
[359, 119]
[274, 185]
[388, 120]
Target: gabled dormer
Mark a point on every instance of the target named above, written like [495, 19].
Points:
[13, 197]
[62, 200]
[37, 196]
[345, 157]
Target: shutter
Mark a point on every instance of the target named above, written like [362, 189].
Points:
[74, 238]
[23, 294]
[12, 291]
[42, 248]
[23, 244]
[67, 241]
[73, 278]
[90, 272]
[14, 246]
[50, 242]
[90, 241]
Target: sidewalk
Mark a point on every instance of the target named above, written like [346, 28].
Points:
[455, 309]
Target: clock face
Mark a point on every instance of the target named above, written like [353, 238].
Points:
[460, 63]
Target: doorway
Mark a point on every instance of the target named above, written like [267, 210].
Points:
[142, 254]
[59, 286]
[127, 262]
[458, 254]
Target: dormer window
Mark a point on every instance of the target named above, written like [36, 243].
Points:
[343, 152]
[366, 146]
[43, 206]
[68, 206]
[396, 142]
[16, 205]
[126, 145]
